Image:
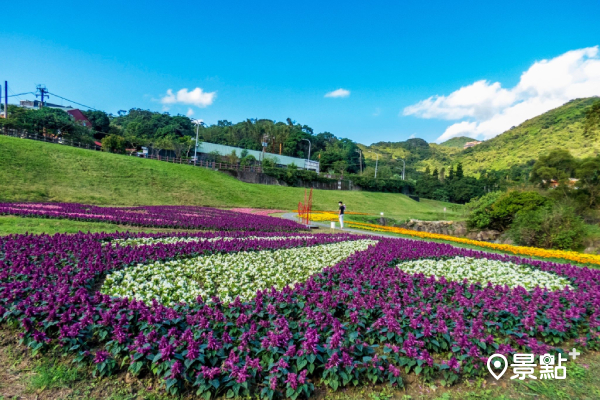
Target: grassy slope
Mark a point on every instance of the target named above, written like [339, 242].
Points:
[36, 171]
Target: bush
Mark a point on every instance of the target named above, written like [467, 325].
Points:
[550, 227]
[497, 211]
[480, 210]
[113, 144]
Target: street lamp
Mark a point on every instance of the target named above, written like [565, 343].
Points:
[403, 168]
[376, 161]
[198, 123]
[309, 145]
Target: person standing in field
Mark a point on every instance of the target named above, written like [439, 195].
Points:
[341, 214]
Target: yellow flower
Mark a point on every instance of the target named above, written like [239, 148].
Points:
[520, 250]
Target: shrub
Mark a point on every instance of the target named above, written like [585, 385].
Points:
[113, 144]
[551, 227]
[497, 211]
[480, 210]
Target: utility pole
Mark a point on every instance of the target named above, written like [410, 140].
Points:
[41, 89]
[376, 162]
[360, 159]
[5, 99]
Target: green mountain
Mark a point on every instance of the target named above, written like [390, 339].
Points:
[520, 146]
[560, 128]
[459, 142]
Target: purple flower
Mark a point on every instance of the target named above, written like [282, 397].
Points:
[101, 356]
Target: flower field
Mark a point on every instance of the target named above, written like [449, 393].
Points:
[184, 217]
[312, 309]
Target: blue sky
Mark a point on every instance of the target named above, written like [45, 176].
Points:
[279, 59]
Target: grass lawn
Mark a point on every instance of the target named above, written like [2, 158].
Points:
[37, 171]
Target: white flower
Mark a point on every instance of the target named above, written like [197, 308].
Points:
[483, 270]
[227, 275]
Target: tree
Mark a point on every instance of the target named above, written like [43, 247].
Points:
[384, 172]
[164, 143]
[340, 166]
[592, 121]
[100, 122]
[132, 142]
[459, 171]
[180, 145]
[557, 165]
[113, 144]
[588, 173]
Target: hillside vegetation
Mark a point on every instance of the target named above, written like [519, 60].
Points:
[37, 171]
[459, 142]
[560, 128]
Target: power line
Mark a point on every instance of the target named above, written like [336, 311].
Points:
[20, 94]
[74, 102]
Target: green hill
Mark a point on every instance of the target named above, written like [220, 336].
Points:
[459, 142]
[37, 171]
[561, 127]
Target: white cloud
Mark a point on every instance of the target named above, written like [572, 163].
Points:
[190, 112]
[487, 109]
[338, 93]
[377, 112]
[414, 135]
[196, 97]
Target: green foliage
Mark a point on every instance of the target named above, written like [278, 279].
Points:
[480, 210]
[557, 165]
[588, 173]
[592, 121]
[153, 125]
[383, 185]
[560, 128]
[47, 121]
[100, 122]
[551, 227]
[332, 152]
[458, 142]
[502, 210]
[113, 144]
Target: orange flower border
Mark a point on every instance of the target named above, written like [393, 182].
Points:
[520, 250]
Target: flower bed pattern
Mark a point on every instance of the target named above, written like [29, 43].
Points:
[362, 320]
[185, 217]
[226, 275]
